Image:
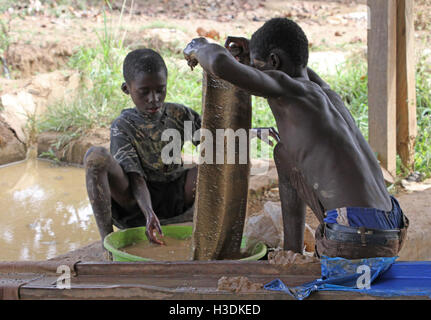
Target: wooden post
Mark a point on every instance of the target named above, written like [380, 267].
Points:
[406, 85]
[382, 81]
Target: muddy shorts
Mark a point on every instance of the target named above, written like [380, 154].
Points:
[356, 233]
[167, 200]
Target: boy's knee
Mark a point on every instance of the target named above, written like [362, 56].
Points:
[97, 158]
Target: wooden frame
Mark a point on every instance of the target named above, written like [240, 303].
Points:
[391, 82]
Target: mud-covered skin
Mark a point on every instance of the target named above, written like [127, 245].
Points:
[222, 189]
[322, 158]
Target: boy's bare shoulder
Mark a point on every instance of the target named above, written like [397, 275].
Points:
[295, 86]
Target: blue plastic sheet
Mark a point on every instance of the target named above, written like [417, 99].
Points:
[373, 276]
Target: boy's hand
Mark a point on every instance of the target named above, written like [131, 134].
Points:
[153, 226]
[191, 49]
[239, 48]
[271, 131]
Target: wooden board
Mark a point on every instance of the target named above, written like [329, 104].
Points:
[195, 280]
[406, 85]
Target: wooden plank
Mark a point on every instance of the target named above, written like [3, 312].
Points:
[406, 90]
[382, 81]
[195, 280]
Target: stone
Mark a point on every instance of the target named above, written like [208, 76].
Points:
[11, 148]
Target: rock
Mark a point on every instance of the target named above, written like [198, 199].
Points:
[31, 59]
[415, 186]
[27, 99]
[11, 148]
[17, 108]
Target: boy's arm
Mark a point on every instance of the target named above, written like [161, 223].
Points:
[142, 195]
[218, 61]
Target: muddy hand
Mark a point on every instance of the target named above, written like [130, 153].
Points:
[152, 228]
[239, 48]
[191, 49]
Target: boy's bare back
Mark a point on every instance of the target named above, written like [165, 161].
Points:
[320, 140]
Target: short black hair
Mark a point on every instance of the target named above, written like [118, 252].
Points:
[142, 60]
[284, 34]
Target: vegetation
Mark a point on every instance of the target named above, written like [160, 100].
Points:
[351, 83]
[101, 102]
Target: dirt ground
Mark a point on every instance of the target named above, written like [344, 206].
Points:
[43, 41]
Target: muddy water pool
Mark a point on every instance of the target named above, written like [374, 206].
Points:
[44, 211]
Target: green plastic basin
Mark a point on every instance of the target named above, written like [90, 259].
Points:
[114, 241]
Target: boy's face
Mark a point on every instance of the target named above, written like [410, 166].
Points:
[148, 91]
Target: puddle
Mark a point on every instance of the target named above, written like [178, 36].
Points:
[44, 212]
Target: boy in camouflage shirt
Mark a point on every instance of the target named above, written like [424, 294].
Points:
[131, 186]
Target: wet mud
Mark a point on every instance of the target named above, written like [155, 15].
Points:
[238, 284]
[221, 195]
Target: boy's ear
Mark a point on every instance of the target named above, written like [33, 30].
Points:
[125, 88]
[274, 60]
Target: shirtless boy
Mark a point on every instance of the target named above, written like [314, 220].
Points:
[322, 159]
[131, 186]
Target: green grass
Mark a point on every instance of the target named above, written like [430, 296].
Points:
[351, 83]
[98, 105]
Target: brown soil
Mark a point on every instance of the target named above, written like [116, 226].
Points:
[26, 60]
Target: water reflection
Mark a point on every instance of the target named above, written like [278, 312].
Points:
[44, 211]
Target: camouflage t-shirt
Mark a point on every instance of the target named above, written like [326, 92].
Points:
[136, 140]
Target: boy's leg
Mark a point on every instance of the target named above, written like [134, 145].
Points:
[292, 206]
[105, 179]
[189, 198]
